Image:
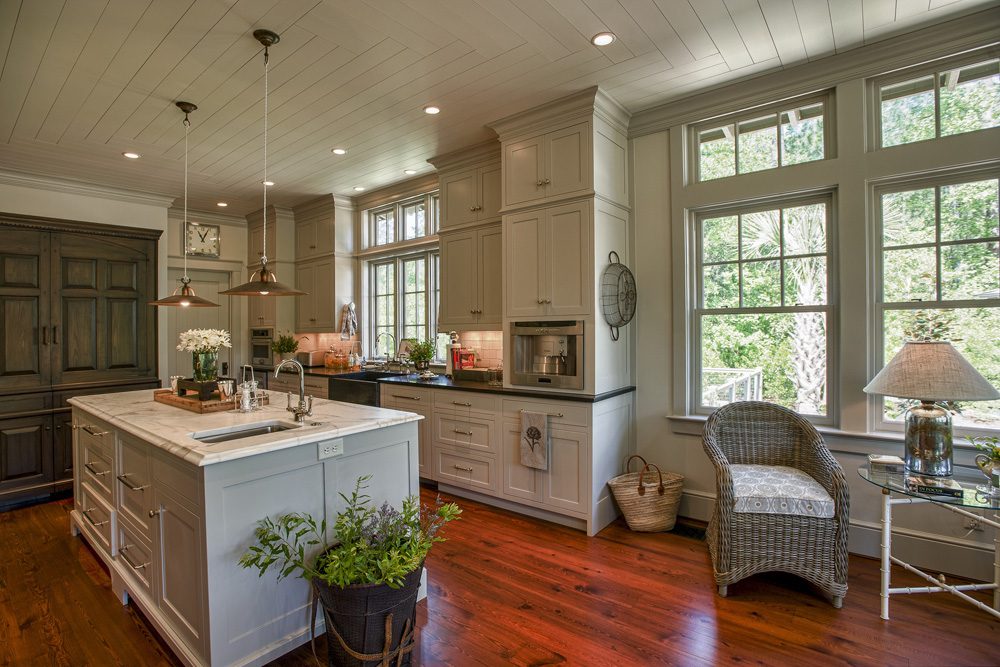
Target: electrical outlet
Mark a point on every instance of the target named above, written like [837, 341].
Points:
[973, 524]
[330, 448]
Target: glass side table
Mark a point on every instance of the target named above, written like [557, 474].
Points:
[971, 498]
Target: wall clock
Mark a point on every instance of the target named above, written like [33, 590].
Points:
[202, 240]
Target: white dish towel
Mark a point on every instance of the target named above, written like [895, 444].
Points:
[535, 440]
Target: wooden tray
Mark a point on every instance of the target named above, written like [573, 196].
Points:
[193, 404]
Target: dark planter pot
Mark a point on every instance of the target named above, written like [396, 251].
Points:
[358, 614]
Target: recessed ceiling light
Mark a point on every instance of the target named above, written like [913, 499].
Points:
[132, 156]
[432, 109]
[603, 38]
[222, 204]
[409, 172]
[268, 183]
[339, 151]
[358, 188]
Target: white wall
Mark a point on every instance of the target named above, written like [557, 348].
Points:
[931, 537]
[51, 198]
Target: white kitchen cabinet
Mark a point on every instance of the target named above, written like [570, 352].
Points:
[314, 237]
[134, 479]
[417, 400]
[519, 482]
[469, 196]
[262, 311]
[563, 487]
[549, 261]
[552, 165]
[472, 279]
[315, 311]
[256, 243]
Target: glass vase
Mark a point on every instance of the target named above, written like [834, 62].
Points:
[206, 366]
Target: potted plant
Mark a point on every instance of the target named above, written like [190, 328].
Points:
[204, 345]
[285, 345]
[369, 572]
[421, 353]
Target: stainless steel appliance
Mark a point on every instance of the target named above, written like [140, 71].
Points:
[260, 346]
[547, 354]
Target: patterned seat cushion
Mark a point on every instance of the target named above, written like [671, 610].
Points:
[779, 490]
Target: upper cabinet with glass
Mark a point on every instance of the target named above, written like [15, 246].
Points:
[925, 103]
[778, 135]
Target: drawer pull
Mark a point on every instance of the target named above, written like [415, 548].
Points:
[455, 430]
[92, 430]
[463, 404]
[94, 471]
[95, 524]
[548, 414]
[123, 478]
[154, 513]
[123, 551]
[463, 468]
[412, 398]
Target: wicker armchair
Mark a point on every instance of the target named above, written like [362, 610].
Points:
[743, 542]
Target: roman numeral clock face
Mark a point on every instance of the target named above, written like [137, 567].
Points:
[202, 240]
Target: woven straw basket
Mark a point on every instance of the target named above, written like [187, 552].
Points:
[649, 498]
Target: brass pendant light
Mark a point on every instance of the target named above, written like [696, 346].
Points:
[263, 282]
[185, 296]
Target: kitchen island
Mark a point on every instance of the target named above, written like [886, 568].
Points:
[169, 500]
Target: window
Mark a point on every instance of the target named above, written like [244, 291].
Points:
[767, 138]
[403, 296]
[403, 221]
[938, 102]
[762, 315]
[940, 276]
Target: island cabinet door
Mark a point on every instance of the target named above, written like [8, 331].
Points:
[180, 551]
[134, 490]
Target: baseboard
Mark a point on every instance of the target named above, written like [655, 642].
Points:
[934, 553]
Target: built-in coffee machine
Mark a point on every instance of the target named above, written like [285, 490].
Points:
[547, 354]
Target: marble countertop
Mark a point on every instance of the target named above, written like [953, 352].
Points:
[171, 428]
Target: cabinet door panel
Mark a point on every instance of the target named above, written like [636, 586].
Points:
[568, 156]
[121, 343]
[522, 235]
[24, 309]
[490, 192]
[134, 483]
[490, 241]
[568, 253]
[181, 552]
[458, 280]
[25, 452]
[305, 239]
[460, 198]
[523, 169]
[564, 485]
[518, 481]
[62, 446]
[315, 311]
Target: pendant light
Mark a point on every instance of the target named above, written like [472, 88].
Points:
[185, 296]
[263, 282]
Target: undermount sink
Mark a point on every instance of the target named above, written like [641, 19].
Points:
[243, 431]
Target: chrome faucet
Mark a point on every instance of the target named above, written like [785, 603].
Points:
[301, 411]
[375, 351]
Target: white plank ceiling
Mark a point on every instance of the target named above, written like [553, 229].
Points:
[85, 80]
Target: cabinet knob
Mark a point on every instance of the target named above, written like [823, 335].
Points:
[546, 181]
[472, 208]
[312, 247]
[154, 513]
[539, 301]
[312, 319]
[539, 183]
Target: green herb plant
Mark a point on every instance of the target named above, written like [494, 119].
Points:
[989, 445]
[372, 545]
[421, 350]
[285, 343]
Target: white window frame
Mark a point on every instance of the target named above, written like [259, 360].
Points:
[826, 197]
[431, 271]
[826, 98]
[933, 69]
[878, 305]
[431, 204]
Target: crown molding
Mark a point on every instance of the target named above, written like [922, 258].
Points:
[488, 151]
[322, 203]
[397, 191]
[40, 182]
[968, 33]
[89, 228]
[568, 109]
[214, 217]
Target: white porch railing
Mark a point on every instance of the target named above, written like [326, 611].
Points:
[725, 385]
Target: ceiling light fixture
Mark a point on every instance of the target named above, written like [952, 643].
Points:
[431, 109]
[263, 282]
[185, 296]
[131, 156]
[602, 38]
[339, 151]
[359, 188]
[268, 183]
[409, 172]
[222, 204]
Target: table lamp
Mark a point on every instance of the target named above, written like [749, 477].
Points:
[930, 371]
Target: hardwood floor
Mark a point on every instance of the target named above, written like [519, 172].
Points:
[510, 590]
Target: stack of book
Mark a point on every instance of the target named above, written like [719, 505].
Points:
[888, 465]
[934, 486]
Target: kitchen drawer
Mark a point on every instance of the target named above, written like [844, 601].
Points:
[134, 499]
[18, 403]
[401, 396]
[316, 386]
[94, 433]
[467, 470]
[184, 478]
[96, 459]
[98, 519]
[136, 554]
[466, 433]
[561, 413]
[464, 401]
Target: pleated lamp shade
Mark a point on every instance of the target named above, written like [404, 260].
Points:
[931, 371]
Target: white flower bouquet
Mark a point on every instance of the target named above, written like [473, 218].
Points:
[204, 340]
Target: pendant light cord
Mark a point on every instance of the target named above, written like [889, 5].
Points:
[187, 126]
[264, 253]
